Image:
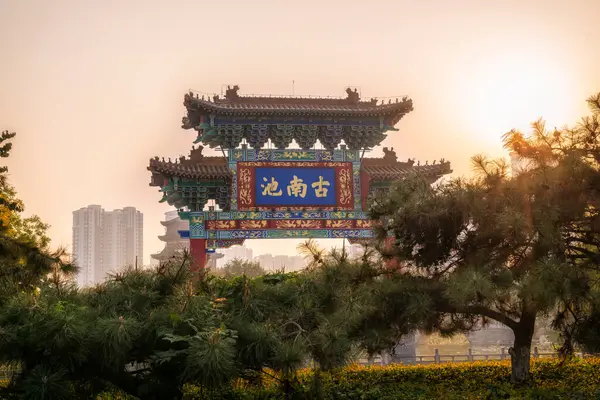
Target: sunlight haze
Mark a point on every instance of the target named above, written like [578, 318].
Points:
[94, 89]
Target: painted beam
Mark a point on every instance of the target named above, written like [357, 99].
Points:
[285, 234]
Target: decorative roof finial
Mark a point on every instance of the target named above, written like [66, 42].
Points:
[196, 154]
[232, 92]
[353, 96]
[389, 154]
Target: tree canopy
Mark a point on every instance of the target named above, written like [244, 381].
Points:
[148, 332]
[501, 247]
[239, 267]
[25, 257]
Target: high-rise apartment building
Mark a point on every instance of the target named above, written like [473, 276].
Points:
[106, 241]
[87, 242]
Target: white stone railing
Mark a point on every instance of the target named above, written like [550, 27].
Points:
[438, 358]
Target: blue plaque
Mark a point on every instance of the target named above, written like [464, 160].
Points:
[295, 186]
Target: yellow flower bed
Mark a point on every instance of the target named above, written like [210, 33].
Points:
[551, 379]
[575, 379]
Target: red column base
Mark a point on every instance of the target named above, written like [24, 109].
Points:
[198, 255]
[391, 264]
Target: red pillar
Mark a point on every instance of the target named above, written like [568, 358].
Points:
[365, 184]
[392, 264]
[198, 254]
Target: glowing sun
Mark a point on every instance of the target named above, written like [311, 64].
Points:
[512, 93]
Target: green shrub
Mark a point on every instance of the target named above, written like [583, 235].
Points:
[578, 379]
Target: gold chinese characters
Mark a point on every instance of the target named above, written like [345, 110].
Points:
[296, 187]
[270, 188]
[319, 186]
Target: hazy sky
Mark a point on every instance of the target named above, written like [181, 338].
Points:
[95, 88]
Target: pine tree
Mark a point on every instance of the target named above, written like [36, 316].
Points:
[239, 267]
[25, 258]
[497, 247]
[148, 332]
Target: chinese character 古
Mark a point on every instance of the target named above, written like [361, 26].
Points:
[270, 189]
[296, 188]
[319, 186]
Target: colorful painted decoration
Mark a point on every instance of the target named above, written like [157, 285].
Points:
[281, 192]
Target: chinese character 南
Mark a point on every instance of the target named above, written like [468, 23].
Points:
[270, 188]
[320, 187]
[297, 187]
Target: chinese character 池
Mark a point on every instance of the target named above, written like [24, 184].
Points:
[270, 188]
[296, 188]
[320, 187]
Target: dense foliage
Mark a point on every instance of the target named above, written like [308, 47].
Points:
[239, 267]
[147, 333]
[25, 258]
[501, 247]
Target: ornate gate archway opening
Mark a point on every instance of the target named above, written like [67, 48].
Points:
[279, 193]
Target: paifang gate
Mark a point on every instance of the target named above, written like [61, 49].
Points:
[279, 192]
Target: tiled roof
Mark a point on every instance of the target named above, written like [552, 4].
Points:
[255, 105]
[389, 168]
[377, 168]
[399, 169]
[175, 223]
[302, 108]
[171, 237]
[208, 168]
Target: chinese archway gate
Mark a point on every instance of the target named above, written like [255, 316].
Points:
[277, 193]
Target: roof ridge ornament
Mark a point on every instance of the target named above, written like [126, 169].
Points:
[232, 93]
[353, 96]
[389, 155]
[196, 154]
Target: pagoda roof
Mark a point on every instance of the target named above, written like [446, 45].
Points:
[395, 171]
[174, 222]
[389, 168]
[169, 250]
[381, 168]
[172, 237]
[351, 105]
[205, 168]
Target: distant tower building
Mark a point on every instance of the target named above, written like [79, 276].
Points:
[87, 242]
[174, 244]
[123, 240]
[106, 241]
